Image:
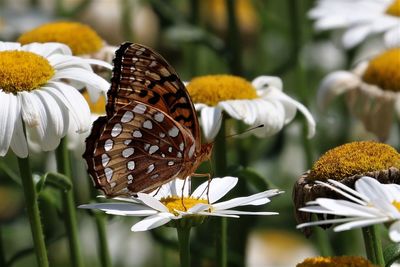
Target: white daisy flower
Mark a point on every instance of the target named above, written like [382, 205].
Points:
[371, 89]
[260, 102]
[359, 18]
[34, 92]
[370, 203]
[174, 202]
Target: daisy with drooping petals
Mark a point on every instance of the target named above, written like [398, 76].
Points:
[372, 91]
[33, 93]
[370, 203]
[169, 205]
[346, 163]
[359, 18]
[261, 102]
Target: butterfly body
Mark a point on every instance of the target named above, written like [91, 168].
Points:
[150, 135]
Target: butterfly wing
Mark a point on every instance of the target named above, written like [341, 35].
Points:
[136, 150]
[143, 75]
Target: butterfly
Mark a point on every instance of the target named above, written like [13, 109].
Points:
[150, 134]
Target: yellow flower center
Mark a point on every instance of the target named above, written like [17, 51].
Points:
[23, 71]
[80, 38]
[384, 70]
[354, 158]
[99, 107]
[212, 89]
[174, 203]
[341, 261]
[394, 9]
[396, 204]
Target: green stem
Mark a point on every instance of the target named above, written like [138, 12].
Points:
[220, 170]
[373, 245]
[2, 252]
[184, 245]
[70, 220]
[233, 42]
[322, 239]
[126, 18]
[103, 244]
[33, 211]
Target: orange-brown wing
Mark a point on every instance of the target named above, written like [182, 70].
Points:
[138, 149]
[144, 75]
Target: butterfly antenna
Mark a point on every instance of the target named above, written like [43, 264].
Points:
[245, 131]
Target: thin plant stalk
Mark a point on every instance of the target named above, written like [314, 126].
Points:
[105, 258]
[32, 208]
[70, 220]
[2, 253]
[220, 169]
[373, 245]
[233, 42]
[184, 245]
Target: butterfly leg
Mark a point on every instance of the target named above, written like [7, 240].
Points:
[183, 188]
[158, 190]
[208, 175]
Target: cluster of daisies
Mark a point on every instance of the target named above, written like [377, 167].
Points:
[41, 85]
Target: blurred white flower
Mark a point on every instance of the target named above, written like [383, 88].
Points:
[261, 102]
[370, 203]
[174, 202]
[371, 89]
[359, 18]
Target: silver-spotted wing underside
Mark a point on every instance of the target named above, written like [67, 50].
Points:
[136, 150]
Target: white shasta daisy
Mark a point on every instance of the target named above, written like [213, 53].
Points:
[38, 90]
[168, 203]
[359, 18]
[260, 102]
[370, 203]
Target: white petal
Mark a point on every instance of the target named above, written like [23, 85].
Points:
[347, 208]
[87, 78]
[198, 208]
[18, 141]
[199, 106]
[335, 84]
[76, 104]
[355, 35]
[30, 113]
[152, 202]
[346, 191]
[151, 222]
[291, 106]
[219, 187]
[394, 232]
[215, 214]
[9, 46]
[10, 108]
[239, 212]
[359, 224]
[271, 114]
[47, 49]
[392, 37]
[211, 118]
[264, 82]
[128, 209]
[255, 199]
[323, 222]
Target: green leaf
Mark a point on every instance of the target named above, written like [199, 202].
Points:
[54, 179]
[391, 254]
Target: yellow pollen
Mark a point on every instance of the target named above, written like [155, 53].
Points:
[396, 204]
[99, 107]
[394, 9]
[79, 37]
[384, 70]
[174, 203]
[341, 261]
[212, 89]
[354, 158]
[23, 71]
